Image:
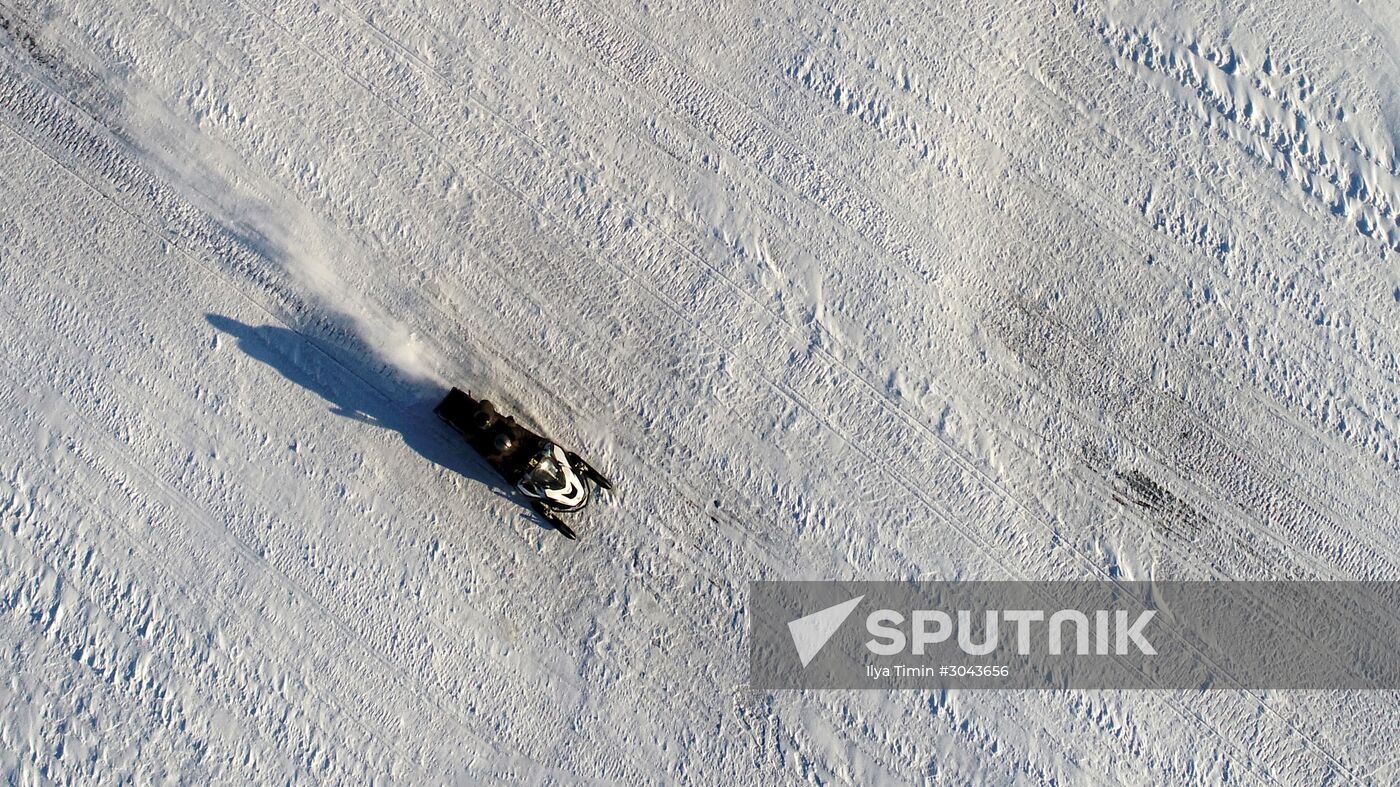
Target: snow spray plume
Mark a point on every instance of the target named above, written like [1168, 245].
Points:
[268, 218]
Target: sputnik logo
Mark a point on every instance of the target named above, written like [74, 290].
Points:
[810, 633]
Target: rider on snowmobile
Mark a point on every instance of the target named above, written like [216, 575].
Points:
[550, 477]
[554, 480]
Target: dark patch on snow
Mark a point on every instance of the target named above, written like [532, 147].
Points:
[1168, 512]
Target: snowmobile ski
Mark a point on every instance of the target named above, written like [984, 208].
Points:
[548, 515]
[555, 481]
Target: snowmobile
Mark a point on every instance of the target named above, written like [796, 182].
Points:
[555, 481]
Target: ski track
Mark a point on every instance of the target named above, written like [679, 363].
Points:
[852, 246]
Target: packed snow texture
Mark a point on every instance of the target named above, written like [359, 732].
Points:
[1052, 289]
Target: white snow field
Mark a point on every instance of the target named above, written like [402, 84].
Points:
[978, 289]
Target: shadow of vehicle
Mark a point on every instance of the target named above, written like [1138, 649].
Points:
[407, 411]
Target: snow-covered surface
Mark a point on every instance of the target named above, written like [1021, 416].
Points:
[875, 290]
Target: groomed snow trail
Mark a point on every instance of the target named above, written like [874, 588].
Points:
[871, 290]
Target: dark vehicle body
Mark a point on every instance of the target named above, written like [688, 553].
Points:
[513, 451]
